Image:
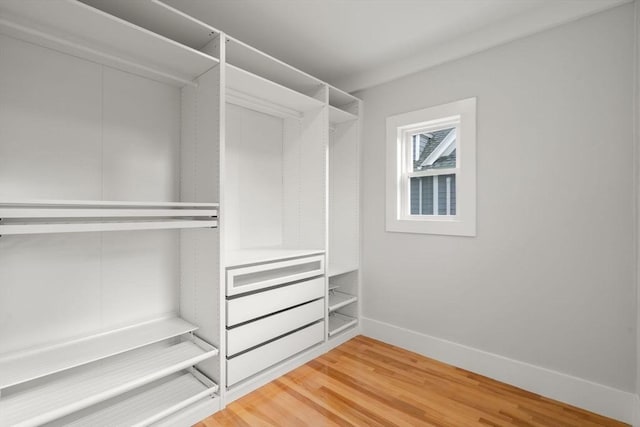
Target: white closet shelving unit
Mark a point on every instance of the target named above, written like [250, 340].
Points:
[344, 223]
[275, 158]
[124, 124]
[109, 189]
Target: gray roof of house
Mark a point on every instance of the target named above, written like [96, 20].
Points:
[428, 143]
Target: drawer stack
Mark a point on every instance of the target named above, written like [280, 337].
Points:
[274, 311]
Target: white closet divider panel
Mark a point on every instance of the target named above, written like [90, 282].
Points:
[85, 387]
[145, 407]
[19, 367]
[78, 29]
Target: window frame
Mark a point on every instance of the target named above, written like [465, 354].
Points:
[400, 129]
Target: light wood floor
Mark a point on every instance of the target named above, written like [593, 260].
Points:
[365, 382]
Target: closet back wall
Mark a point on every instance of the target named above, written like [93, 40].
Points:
[86, 132]
[549, 279]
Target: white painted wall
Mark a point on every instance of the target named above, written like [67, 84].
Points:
[549, 279]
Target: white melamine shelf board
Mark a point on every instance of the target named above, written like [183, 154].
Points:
[105, 203]
[20, 212]
[80, 389]
[340, 299]
[248, 58]
[11, 228]
[247, 87]
[336, 115]
[338, 97]
[261, 255]
[339, 322]
[336, 270]
[160, 18]
[19, 367]
[78, 29]
[146, 407]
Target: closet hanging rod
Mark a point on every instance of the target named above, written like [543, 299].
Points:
[93, 52]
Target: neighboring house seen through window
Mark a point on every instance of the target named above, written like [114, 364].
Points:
[431, 170]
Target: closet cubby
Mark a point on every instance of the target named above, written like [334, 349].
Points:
[343, 310]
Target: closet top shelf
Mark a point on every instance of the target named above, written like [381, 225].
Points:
[339, 98]
[247, 89]
[337, 115]
[78, 29]
[251, 59]
[160, 18]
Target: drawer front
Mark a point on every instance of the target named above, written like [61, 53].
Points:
[254, 361]
[255, 277]
[249, 307]
[255, 333]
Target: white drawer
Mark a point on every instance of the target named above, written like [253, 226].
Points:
[254, 361]
[255, 277]
[261, 330]
[249, 307]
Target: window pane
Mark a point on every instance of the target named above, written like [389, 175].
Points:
[434, 150]
[423, 189]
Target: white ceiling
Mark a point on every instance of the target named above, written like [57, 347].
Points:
[354, 44]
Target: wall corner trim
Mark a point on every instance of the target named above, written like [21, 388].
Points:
[598, 398]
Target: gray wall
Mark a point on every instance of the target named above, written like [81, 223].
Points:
[549, 279]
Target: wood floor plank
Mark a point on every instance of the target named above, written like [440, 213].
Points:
[365, 382]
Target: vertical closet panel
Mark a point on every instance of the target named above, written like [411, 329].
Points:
[50, 288]
[291, 182]
[254, 167]
[140, 276]
[343, 197]
[199, 292]
[141, 138]
[313, 179]
[50, 112]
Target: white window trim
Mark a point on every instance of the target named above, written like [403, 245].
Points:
[464, 222]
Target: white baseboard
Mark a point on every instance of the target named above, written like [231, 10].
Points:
[636, 411]
[575, 391]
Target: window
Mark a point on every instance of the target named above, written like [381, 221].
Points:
[431, 170]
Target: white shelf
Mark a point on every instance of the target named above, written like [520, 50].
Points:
[340, 299]
[19, 367]
[262, 255]
[75, 28]
[339, 322]
[78, 227]
[336, 115]
[336, 270]
[160, 18]
[85, 387]
[339, 98]
[147, 407]
[252, 91]
[248, 58]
